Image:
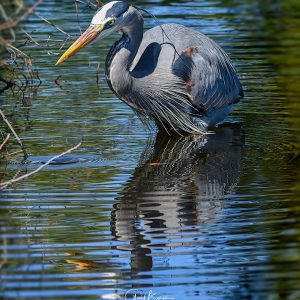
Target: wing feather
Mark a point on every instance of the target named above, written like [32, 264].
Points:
[209, 78]
[212, 78]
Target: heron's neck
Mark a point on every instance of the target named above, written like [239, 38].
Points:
[121, 57]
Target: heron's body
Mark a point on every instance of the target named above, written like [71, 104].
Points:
[171, 74]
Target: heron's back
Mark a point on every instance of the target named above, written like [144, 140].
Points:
[205, 68]
[172, 36]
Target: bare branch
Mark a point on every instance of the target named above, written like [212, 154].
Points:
[89, 4]
[14, 133]
[31, 39]
[50, 23]
[14, 180]
[76, 7]
[11, 24]
[12, 48]
[4, 141]
[57, 81]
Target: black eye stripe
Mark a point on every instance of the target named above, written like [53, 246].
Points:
[119, 15]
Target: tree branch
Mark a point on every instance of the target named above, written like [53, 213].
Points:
[4, 141]
[11, 24]
[14, 133]
[3, 185]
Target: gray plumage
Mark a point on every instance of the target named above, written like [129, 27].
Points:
[214, 83]
[171, 74]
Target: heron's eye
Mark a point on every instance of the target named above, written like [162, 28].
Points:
[111, 22]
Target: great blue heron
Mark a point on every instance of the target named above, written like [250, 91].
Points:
[171, 74]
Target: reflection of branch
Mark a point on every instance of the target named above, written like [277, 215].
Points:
[11, 24]
[14, 180]
[14, 133]
[4, 141]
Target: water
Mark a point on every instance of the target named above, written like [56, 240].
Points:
[129, 214]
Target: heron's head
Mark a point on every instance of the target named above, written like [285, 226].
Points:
[111, 17]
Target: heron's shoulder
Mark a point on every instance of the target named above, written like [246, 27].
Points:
[180, 36]
[173, 28]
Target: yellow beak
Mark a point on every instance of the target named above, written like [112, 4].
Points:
[87, 37]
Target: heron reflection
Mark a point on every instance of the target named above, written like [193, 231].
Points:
[180, 182]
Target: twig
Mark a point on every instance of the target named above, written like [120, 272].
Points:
[3, 185]
[89, 4]
[13, 153]
[3, 13]
[76, 7]
[31, 39]
[50, 23]
[11, 24]
[57, 81]
[63, 44]
[12, 48]
[99, 3]
[14, 133]
[4, 141]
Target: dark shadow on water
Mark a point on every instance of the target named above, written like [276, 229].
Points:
[181, 182]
